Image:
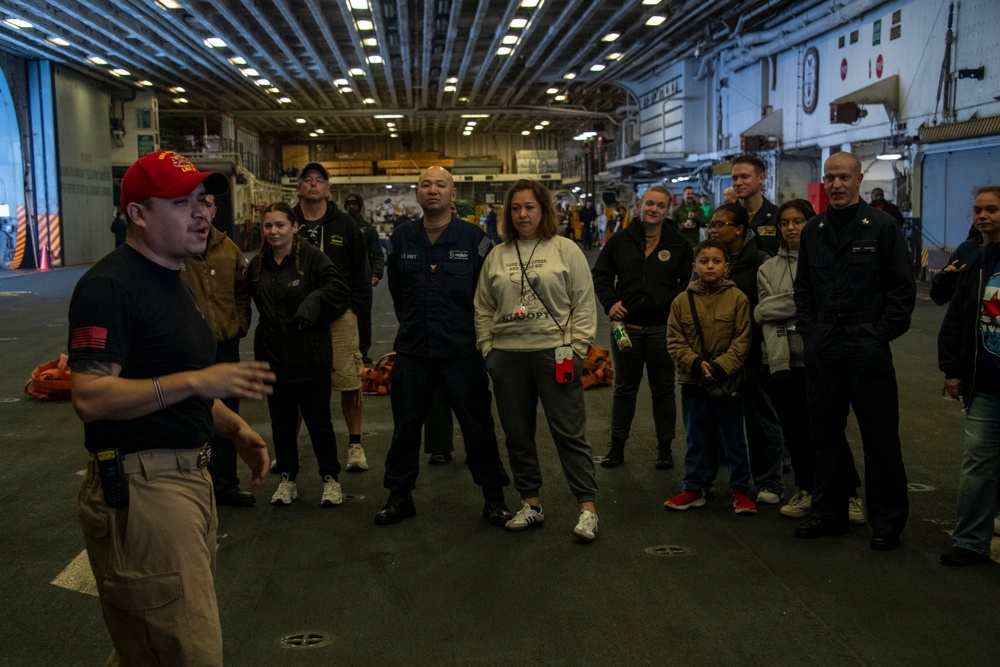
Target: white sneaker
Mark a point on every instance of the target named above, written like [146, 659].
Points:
[765, 497]
[356, 460]
[525, 518]
[332, 495]
[586, 526]
[286, 493]
[856, 512]
[799, 505]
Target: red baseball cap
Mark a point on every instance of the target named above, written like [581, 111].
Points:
[166, 174]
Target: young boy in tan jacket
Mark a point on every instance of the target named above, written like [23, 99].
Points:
[707, 351]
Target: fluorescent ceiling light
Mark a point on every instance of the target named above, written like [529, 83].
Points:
[504, 51]
[18, 23]
[340, 82]
[370, 41]
[118, 71]
[393, 135]
[530, 3]
[560, 98]
[249, 71]
[262, 82]
[525, 133]
[238, 60]
[369, 100]
[346, 89]
[319, 130]
[651, 2]
[300, 121]
[390, 124]
[169, 4]
[467, 134]
[471, 123]
[569, 75]
[615, 56]
[313, 134]
[356, 71]
[97, 61]
[180, 100]
[463, 99]
[610, 37]
[375, 60]
[145, 82]
[58, 41]
[475, 115]
[358, 5]
[365, 25]
[544, 122]
[215, 43]
[177, 89]
[552, 91]
[656, 20]
[597, 68]
[517, 24]
[539, 127]
[452, 79]
[510, 39]
[449, 89]
[389, 115]
[273, 90]
[285, 100]
[889, 155]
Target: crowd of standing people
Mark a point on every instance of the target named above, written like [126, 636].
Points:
[775, 326]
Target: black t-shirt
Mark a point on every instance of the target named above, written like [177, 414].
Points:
[130, 311]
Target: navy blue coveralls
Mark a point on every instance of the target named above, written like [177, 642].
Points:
[855, 293]
[432, 290]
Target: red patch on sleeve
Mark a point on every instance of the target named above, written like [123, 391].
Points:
[94, 338]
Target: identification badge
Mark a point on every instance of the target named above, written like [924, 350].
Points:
[519, 312]
[564, 364]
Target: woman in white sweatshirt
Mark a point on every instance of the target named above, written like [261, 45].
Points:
[536, 317]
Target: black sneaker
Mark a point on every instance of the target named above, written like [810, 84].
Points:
[816, 526]
[399, 506]
[615, 456]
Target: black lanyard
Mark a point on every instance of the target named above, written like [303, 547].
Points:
[538, 296]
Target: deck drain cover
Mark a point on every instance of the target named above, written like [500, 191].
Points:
[354, 496]
[919, 487]
[671, 550]
[306, 639]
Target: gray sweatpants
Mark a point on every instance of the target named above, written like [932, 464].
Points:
[520, 379]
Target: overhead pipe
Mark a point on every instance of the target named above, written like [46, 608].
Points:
[799, 29]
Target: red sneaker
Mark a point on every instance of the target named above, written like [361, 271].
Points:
[682, 501]
[743, 504]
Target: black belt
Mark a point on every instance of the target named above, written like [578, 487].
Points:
[845, 319]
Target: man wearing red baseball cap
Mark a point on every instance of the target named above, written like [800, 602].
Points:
[146, 388]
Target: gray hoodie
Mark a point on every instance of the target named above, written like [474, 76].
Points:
[775, 311]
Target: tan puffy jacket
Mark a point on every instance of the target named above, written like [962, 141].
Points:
[724, 313]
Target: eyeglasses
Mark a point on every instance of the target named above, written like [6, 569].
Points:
[720, 225]
[795, 221]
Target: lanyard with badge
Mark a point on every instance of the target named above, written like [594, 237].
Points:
[564, 353]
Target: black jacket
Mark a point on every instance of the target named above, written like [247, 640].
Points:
[765, 225]
[646, 286]
[338, 236]
[959, 340]
[296, 305]
[743, 271]
[433, 287]
[943, 284]
[858, 287]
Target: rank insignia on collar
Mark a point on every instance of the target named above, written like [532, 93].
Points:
[821, 224]
[864, 221]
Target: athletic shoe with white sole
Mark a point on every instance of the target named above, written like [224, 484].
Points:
[586, 526]
[856, 512]
[356, 461]
[286, 493]
[765, 497]
[525, 518]
[332, 494]
[799, 506]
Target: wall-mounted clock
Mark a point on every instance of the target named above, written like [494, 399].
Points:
[810, 80]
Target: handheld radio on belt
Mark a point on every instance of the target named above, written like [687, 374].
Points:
[111, 466]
